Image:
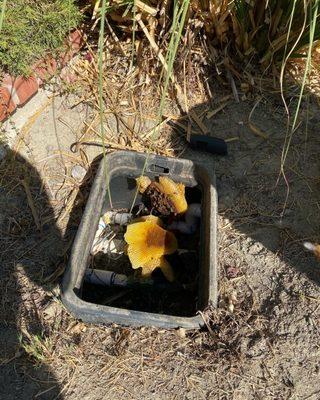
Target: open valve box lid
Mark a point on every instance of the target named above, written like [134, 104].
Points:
[123, 167]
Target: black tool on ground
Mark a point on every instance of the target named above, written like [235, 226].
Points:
[209, 144]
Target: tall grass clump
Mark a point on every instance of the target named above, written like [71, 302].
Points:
[267, 30]
[313, 31]
[257, 37]
[254, 33]
[180, 9]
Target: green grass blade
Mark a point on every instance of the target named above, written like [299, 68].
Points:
[176, 33]
[101, 99]
[134, 26]
[313, 24]
[3, 10]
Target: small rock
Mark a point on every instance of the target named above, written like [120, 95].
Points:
[232, 300]
[255, 248]
[77, 328]
[232, 272]
[181, 333]
[51, 310]
[231, 307]
[198, 340]
[256, 347]
[78, 172]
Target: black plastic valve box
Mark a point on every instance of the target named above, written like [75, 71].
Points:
[128, 164]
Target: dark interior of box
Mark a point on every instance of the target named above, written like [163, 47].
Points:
[179, 298]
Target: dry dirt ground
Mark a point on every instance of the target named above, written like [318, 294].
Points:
[267, 348]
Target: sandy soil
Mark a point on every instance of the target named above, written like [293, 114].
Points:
[267, 348]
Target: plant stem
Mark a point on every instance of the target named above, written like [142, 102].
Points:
[3, 9]
[134, 24]
[101, 100]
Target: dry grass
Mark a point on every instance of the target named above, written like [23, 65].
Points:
[218, 39]
[129, 360]
[131, 102]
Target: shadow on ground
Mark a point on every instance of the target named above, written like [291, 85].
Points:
[252, 198]
[31, 249]
[258, 242]
[33, 254]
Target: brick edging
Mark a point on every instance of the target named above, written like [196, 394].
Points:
[16, 91]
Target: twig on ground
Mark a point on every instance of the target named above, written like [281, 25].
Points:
[31, 204]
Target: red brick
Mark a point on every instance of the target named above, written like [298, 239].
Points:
[68, 76]
[45, 69]
[73, 44]
[20, 88]
[7, 106]
[65, 57]
[75, 41]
